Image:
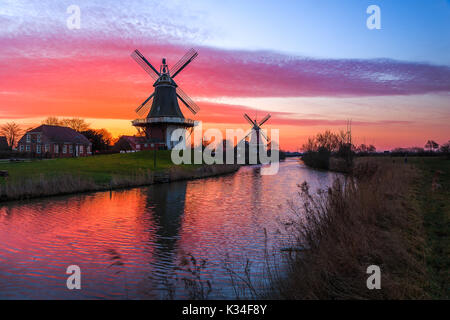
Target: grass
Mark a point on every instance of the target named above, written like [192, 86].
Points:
[101, 169]
[39, 178]
[386, 214]
[432, 191]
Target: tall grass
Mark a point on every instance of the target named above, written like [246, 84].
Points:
[49, 184]
[362, 220]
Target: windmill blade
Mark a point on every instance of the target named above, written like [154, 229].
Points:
[264, 135]
[180, 62]
[249, 119]
[145, 64]
[265, 119]
[183, 62]
[187, 101]
[246, 135]
[145, 106]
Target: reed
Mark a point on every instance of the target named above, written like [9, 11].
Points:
[362, 220]
[16, 188]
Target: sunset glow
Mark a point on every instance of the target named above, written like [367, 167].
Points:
[48, 70]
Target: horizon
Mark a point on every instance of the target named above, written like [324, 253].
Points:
[311, 73]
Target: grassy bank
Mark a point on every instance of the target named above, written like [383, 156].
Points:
[432, 192]
[388, 215]
[62, 176]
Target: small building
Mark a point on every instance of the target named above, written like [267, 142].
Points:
[55, 141]
[133, 143]
[4, 144]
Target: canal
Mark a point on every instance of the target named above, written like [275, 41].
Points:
[137, 243]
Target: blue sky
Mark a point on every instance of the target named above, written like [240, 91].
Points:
[411, 30]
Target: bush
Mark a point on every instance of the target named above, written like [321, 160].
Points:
[317, 159]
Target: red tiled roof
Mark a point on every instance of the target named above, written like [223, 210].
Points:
[59, 134]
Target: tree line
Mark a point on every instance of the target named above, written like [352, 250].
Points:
[320, 148]
[101, 139]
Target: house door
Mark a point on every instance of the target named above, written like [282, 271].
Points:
[76, 150]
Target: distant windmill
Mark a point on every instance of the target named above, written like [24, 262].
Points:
[256, 132]
[164, 114]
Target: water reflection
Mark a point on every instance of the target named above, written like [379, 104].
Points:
[128, 242]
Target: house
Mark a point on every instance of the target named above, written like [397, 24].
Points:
[55, 141]
[4, 144]
[133, 143]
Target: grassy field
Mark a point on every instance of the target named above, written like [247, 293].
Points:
[432, 192]
[39, 178]
[98, 168]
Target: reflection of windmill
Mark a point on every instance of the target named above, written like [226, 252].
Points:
[164, 114]
[165, 205]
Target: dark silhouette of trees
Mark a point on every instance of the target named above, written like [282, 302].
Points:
[363, 148]
[445, 148]
[12, 131]
[101, 139]
[319, 149]
[76, 124]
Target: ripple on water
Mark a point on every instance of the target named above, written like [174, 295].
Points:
[128, 242]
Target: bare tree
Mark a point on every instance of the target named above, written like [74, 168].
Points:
[12, 132]
[76, 124]
[53, 121]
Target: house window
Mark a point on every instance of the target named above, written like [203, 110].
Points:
[27, 148]
[28, 137]
[81, 148]
[88, 149]
[56, 148]
[70, 149]
[138, 146]
[145, 145]
[64, 148]
[47, 148]
[38, 148]
[38, 137]
[21, 147]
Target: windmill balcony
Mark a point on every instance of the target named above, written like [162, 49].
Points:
[164, 120]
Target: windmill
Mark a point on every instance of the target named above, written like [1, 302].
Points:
[256, 132]
[256, 137]
[162, 109]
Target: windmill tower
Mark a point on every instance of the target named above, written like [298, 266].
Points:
[163, 112]
[256, 134]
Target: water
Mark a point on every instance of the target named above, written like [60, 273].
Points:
[130, 243]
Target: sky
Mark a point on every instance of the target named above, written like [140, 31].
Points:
[311, 64]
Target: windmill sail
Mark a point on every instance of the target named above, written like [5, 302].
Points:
[145, 64]
[264, 119]
[249, 119]
[183, 62]
[145, 106]
[191, 105]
